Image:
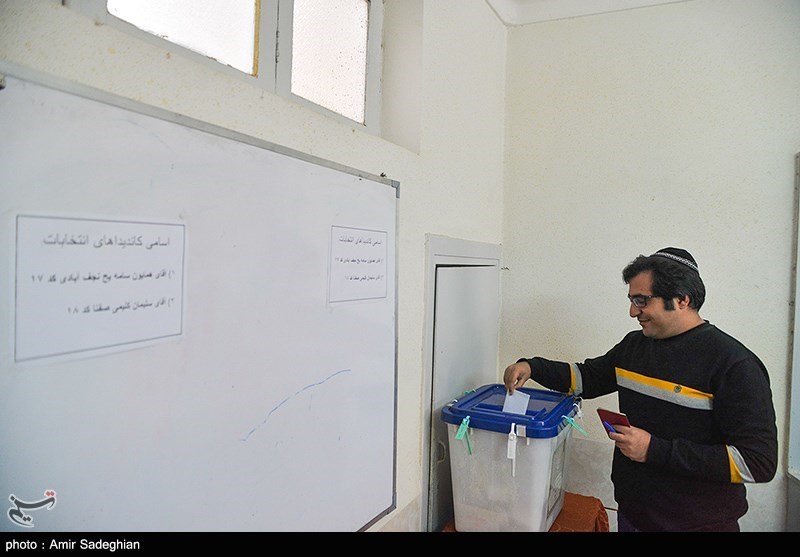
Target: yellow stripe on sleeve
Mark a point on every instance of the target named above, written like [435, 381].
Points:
[664, 390]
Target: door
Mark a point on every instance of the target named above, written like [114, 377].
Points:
[465, 343]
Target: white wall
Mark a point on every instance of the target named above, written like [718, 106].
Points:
[626, 132]
[450, 179]
[673, 125]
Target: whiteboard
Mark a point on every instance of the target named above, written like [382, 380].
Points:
[269, 402]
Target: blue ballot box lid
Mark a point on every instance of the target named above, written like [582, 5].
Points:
[545, 416]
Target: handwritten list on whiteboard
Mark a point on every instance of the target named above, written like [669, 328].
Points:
[86, 286]
[358, 264]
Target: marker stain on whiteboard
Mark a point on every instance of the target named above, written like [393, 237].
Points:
[288, 398]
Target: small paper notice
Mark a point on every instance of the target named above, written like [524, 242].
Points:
[516, 403]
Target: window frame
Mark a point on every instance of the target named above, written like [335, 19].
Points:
[273, 55]
[374, 65]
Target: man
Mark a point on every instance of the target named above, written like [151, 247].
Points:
[699, 403]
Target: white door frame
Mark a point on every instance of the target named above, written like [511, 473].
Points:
[442, 250]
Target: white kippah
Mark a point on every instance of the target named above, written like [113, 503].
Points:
[678, 259]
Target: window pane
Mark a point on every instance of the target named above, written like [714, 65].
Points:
[225, 31]
[329, 54]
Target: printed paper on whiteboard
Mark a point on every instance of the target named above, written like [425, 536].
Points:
[358, 268]
[90, 286]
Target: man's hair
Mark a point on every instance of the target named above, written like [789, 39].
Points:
[675, 275]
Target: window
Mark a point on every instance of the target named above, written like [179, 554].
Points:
[225, 31]
[329, 61]
[322, 53]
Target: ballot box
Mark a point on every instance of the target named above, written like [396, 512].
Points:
[508, 468]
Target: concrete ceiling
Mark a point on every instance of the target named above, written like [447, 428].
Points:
[523, 12]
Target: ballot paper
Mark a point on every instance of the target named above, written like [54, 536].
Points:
[516, 403]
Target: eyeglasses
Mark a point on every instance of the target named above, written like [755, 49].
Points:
[640, 300]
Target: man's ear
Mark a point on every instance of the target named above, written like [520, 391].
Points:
[684, 302]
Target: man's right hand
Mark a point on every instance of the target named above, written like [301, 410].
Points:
[516, 375]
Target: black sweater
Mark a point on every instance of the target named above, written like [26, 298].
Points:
[706, 401]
